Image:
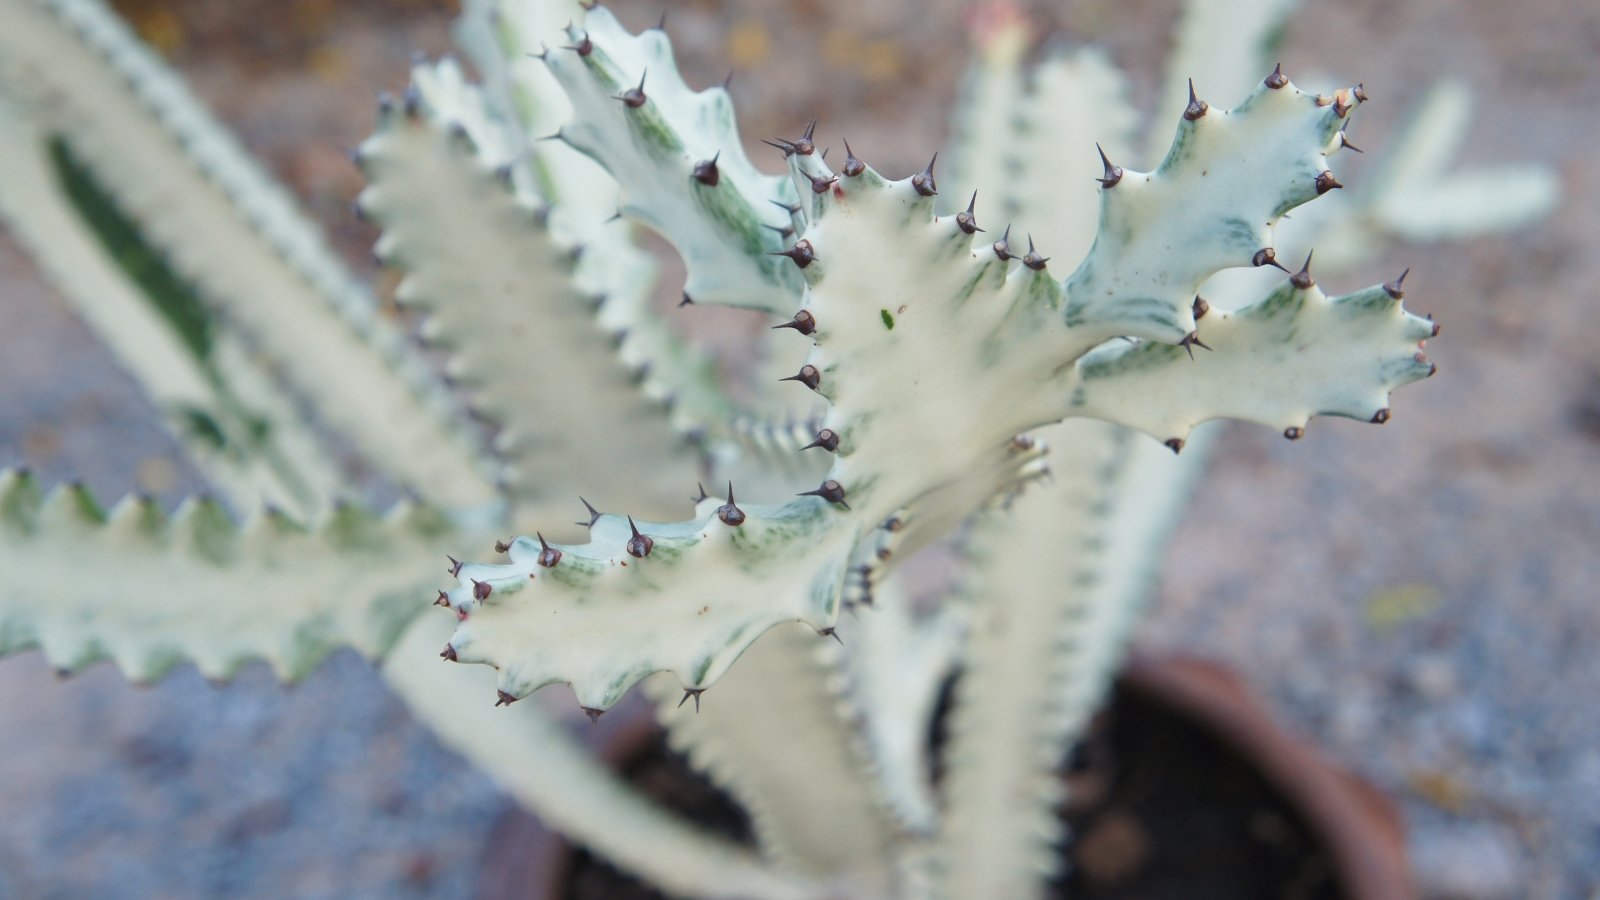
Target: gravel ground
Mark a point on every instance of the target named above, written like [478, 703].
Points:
[1420, 599]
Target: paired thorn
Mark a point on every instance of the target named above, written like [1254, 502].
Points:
[686, 301]
[830, 490]
[852, 166]
[1196, 107]
[1344, 143]
[1201, 307]
[801, 253]
[821, 183]
[803, 147]
[1360, 92]
[827, 439]
[504, 699]
[594, 514]
[808, 376]
[548, 555]
[729, 512]
[1113, 174]
[583, 47]
[792, 209]
[481, 590]
[1191, 341]
[830, 631]
[784, 231]
[501, 547]
[923, 181]
[1266, 256]
[1002, 247]
[455, 567]
[703, 495]
[640, 545]
[1396, 288]
[442, 600]
[449, 653]
[1174, 444]
[967, 221]
[1277, 79]
[1294, 432]
[1326, 182]
[1302, 279]
[1033, 260]
[695, 693]
[803, 322]
[706, 171]
[593, 714]
[634, 97]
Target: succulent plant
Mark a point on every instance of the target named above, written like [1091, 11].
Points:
[952, 339]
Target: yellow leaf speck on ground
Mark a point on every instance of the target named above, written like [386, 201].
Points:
[1395, 606]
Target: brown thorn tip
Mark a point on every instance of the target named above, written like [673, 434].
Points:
[1191, 341]
[548, 555]
[481, 590]
[443, 599]
[1294, 433]
[1002, 247]
[1266, 256]
[1196, 107]
[1325, 182]
[852, 166]
[1113, 174]
[686, 301]
[593, 714]
[455, 567]
[830, 490]
[501, 546]
[830, 631]
[827, 439]
[1201, 307]
[692, 692]
[634, 97]
[639, 546]
[706, 171]
[1174, 444]
[808, 376]
[449, 653]
[729, 512]
[1344, 142]
[594, 514]
[803, 322]
[1396, 288]
[1033, 260]
[967, 221]
[504, 699]
[821, 183]
[802, 253]
[1381, 416]
[923, 181]
[1302, 279]
[1277, 79]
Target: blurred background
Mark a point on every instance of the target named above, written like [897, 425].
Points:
[1421, 600]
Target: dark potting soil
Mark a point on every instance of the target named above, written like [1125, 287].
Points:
[1158, 807]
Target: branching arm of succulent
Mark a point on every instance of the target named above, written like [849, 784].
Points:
[536, 759]
[498, 289]
[643, 597]
[946, 322]
[208, 591]
[1295, 354]
[236, 237]
[217, 402]
[677, 155]
[772, 736]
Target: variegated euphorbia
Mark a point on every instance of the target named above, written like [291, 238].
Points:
[949, 343]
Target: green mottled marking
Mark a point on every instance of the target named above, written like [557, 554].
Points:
[888, 319]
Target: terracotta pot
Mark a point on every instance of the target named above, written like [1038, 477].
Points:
[1357, 827]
